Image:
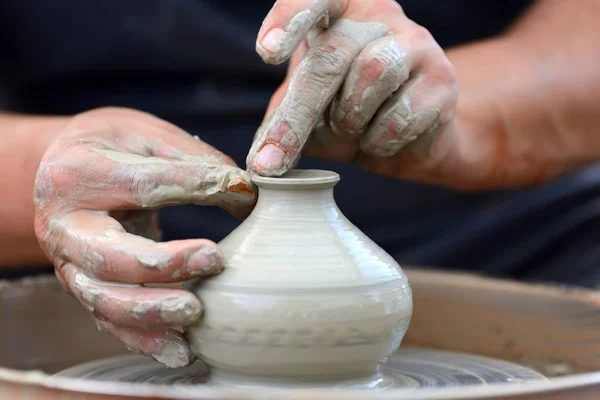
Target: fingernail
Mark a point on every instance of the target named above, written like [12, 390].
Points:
[271, 40]
[204, 260]
[270, 157]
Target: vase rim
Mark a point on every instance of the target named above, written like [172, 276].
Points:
[298, 179]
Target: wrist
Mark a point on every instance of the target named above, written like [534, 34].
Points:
[509, 114]
[22, 145]
[35, 132]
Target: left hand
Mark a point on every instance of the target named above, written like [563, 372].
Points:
[364, 84]
[96, 190]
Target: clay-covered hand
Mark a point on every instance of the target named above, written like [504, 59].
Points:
[95, 194]
[364, 84]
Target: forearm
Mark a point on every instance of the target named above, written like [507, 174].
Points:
[23, 141]
[532, 94]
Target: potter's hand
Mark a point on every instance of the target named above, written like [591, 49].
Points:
[366, 84]
[95, 191]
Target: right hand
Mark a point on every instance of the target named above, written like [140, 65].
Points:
[95, 194]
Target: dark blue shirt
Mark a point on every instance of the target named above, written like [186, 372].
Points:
[193, 63]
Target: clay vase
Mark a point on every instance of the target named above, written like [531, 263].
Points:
[305, 296]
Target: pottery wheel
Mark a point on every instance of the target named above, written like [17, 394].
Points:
[408, 368]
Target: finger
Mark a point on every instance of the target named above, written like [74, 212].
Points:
[277, 97]
[132, 305]
[439, 170]
[92, 177]
[374, 76]
[414, 116]
[166, 346]
[63, 283]
[288, 24]
[99, 244]
[142, 223]
[323, 143]
[137, 132]
[316, 80]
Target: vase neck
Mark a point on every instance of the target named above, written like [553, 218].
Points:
[296, 195]
[297, 204]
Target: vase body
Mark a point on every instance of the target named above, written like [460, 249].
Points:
[304, 295]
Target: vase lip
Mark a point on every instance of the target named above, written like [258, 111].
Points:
[298, 179]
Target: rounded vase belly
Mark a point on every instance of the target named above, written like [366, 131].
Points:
[305, 295]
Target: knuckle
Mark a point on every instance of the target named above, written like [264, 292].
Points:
[327, 60]
[145, 188]
[448, 109]
[443, 71]
[138, 186]
[112, 111]
[43, 186]
[95, 260]
[55, 178]
[392, 7]
[46, 238]
[420, 34]
[49, 234]
[372, 11]
[285, 7]
[371, 67]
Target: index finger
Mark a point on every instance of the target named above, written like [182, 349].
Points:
[313, 85]
[288, 23]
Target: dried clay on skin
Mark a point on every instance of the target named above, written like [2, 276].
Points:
[88, 291]
[154, 261]
[175, 352]
[386, 52]
[210, 183]
[313, 86]
[409, 127]
[295, 31]
[44, 188]
[168, 308]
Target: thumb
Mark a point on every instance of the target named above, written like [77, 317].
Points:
[288, 23]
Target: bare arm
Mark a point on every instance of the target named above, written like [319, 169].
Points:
[530, 98]
[526, 99]
[23, 141]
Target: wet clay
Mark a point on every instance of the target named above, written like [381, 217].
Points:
[210, 183]
[174, 354]
[311, 89]
[354, 107]
[305, 295]
[396, 125]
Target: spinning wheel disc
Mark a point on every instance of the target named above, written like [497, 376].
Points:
[408, 368]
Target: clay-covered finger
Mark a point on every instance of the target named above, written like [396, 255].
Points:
[144, 223]
[99, 244]
[132, 305]
[289, 22]
[376, 74]
[323, 143]
[135, 132]
[316, 80]
[93, 177]
[412, 118]
[167, 346]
